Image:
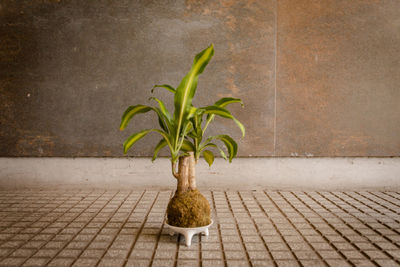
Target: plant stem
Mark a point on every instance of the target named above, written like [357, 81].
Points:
[183, 177]
[174, 173]
[192, 171]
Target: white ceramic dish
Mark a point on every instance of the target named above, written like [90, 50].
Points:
[189, 232]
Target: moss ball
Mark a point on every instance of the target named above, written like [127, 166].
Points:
[189, 209]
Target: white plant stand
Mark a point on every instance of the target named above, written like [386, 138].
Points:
[189, 232]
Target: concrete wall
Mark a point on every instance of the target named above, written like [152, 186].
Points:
[318, 78]
[244, 173]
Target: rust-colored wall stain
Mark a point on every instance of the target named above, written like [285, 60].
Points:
[35, 145]
[70, 68]
[337, 94]
[9, 47]
[247, 30]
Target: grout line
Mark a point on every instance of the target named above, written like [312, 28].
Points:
[160, 232]
[376, 210]
[61, 229]
[373, 229]
[384, 199]
[326, 221]
[120, 228]
[275, 67]
[345, 196]
[140, 229]
[256, 226]
[276, 228]
[219, 229]
[390, 194]
[33, 222]
[178, 244]
[352, 228]
[36, 234]
[336, 230]
[9, 204]
[200, 256]
[238, 229]
[377, 199]
[297, 230]
[89, 221]
[377, 232]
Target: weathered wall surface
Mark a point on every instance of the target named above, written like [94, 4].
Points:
[272, 173]
[338, 78]
[318, 78]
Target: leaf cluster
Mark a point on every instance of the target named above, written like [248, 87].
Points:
[184, 130]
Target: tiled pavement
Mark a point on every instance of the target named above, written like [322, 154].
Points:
[252, 228]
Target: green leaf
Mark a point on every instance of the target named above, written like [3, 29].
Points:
[133, 139]
[208, 156]
[223, 102]
[215, 110]
[187, 128]
[187, 88]
[139, 135]
[158, 147]
[192, 112]
[162, 120]
[190, 122]
[183, 143]
[130, 112]
[166, 136]
[199, 132]
[164, 117]
[222, 153]
[240, 125]
[187, 146]
[222, 112]
[162, 124]
[196, 120]
[163, 108]
[214, 145]
[230, 144]
[165, 86]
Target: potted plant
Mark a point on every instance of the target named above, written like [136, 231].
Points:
[183, 133]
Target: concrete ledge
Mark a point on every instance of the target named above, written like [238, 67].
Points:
[243, 173]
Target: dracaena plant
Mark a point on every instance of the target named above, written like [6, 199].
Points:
[183, 131]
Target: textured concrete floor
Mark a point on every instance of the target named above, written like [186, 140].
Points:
[252, 228]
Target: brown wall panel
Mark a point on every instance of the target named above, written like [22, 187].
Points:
[338, 78]
[70, 68]
[318, 78]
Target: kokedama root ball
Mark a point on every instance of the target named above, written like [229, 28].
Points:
[189, 209]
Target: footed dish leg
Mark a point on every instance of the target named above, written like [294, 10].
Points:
[188, 238]
[206, 232]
